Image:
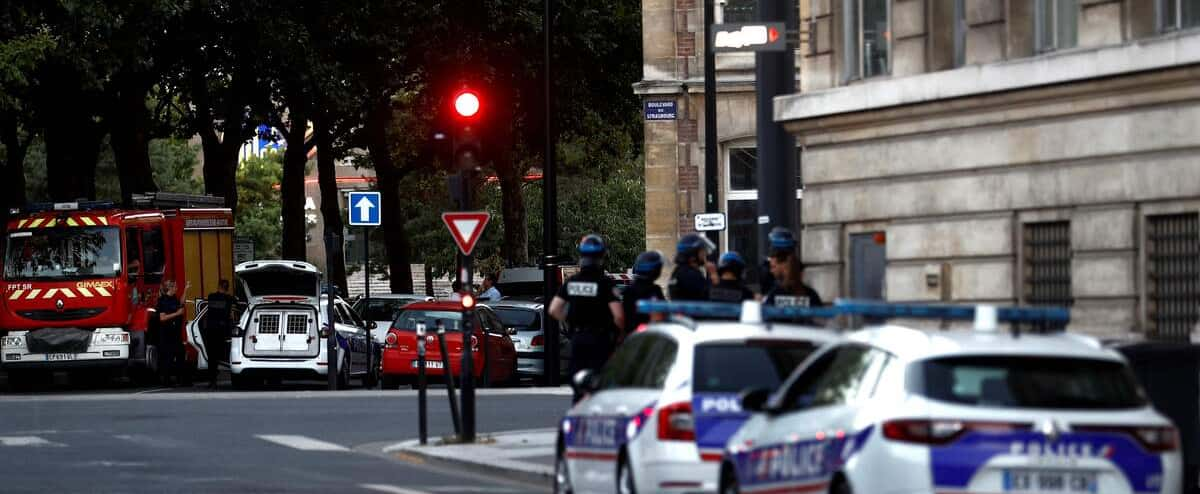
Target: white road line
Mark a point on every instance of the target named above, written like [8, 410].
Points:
[301, 442]
[390, 489]
[25, 441]
[153, 390]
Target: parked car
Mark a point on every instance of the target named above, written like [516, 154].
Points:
[284, 330]
[383, 308]
[530, 337]
[400, 345]
[528, 282]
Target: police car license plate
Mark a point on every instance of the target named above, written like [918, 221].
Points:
[1029, 481]
[429, 364]
[56, 357]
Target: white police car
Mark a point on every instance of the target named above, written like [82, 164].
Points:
[658, 414]
[897, 410]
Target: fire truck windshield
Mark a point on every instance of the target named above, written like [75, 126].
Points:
[63, 253]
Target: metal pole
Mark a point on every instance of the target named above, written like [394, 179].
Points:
[331, 346]
[421, 420]
[775, 74]
[441, 336]
[549, 212]
[367, 301]
[468, 367]
[711, 190]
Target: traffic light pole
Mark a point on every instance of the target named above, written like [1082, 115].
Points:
[331, 346]
[367, 301]
[468, 371]
[775, 74]
[549, 212]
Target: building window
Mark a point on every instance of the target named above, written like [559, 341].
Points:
[1172, 275]
[1047, 270]
[868, 39]
[1178, 14]
[735, 11]
[1055, 24]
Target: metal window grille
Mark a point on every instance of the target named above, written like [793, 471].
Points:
[297, 324]
[1048, 263]
[1173, 275]
[268, 324]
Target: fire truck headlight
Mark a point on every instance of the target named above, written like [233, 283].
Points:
[121, 338]
[13, 341]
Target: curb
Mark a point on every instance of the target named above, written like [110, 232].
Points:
[512, 470]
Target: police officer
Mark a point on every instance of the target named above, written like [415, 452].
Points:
[588, 303]
[646, 270]
[693, 273]
[218, 321]
[730, 286]
[788, 270]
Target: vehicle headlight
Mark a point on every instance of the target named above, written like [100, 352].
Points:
[121, 338]
[13, 341]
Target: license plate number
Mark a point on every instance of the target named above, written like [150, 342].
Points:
[429, 364]
[56, 357]
[1028, 481]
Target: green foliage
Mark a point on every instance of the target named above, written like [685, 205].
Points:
[259, 204]
[173, 161]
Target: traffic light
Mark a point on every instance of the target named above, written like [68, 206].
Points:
[468, 111]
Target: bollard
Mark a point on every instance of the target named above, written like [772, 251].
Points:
[441, 335]
[421, 424]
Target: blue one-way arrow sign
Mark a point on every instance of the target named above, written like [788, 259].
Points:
[364, 209]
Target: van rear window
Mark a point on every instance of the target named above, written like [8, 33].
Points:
[734, 367]
[407, 320]
[1029, 382]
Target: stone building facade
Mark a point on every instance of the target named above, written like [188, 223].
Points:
[1018, 151]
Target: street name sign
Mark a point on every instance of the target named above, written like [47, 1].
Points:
[749, 37]
[656, 109]
[466, 228]
[364, 209]
[710, 222]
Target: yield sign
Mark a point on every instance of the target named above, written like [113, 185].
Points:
[466, 228]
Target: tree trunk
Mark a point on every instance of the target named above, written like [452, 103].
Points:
[220, 150]
[295, 228]
[388, 175]
[129, 127]
[72, 147]
[515, 248]
[331, 210]
[14, 170]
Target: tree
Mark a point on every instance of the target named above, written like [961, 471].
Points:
[258, 217]
[172, 162]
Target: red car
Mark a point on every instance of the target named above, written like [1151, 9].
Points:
[400, 345]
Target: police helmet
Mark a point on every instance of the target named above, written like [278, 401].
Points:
[648, 265]
[781, 240]
[591, 250]
[692, 244]
[733, 262]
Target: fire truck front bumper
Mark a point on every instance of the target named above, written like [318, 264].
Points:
[105, 347]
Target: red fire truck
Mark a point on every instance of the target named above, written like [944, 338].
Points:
[80, 277]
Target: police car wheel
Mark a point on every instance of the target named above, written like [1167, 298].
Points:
[562, 476]
[729, 484]
[625, 483]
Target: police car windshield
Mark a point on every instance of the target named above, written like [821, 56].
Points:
[734, 367]
[63, 253]
[1029, 382]
[408, 319]
[518, 318]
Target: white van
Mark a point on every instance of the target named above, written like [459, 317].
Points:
[283, 332]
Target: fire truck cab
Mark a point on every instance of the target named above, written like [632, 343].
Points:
[79, 278]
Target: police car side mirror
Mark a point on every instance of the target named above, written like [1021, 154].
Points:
[755, 399]
[585, 381]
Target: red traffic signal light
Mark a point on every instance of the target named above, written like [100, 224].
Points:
[466, 104]
[468, 301]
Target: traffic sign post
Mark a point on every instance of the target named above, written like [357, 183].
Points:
[466, 228]
[366, 211]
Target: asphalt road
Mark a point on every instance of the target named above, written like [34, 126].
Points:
[297, 438]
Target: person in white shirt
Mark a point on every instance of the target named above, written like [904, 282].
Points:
[489, 289]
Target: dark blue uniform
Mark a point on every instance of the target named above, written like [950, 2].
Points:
[589, 318]
[730, 291]
[641, 289]
[804, 297]
[688, 283]
[170, 340]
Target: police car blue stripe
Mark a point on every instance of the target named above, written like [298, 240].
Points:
[806, 461]
[717, 416]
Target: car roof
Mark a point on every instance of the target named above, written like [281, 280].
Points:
[396, 296]
[714, 331]
[518, 304]
[442, 305]
[915, 344]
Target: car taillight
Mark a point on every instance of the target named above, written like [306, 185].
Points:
[390, 340]
[940, 431]
[675, 422]
[1155, 439]
[537, 341]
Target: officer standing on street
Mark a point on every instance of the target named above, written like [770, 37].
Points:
[587, 302]
[730, 285]
[646, 270]
[788, 270]
[693, 273]
[218, 320]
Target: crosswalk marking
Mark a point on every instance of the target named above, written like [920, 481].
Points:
[35, 441]
[302, 443]
[390, 489]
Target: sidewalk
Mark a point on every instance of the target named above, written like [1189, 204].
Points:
[526, 456]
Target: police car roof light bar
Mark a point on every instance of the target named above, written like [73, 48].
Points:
[1052, 316]
[728, 310]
